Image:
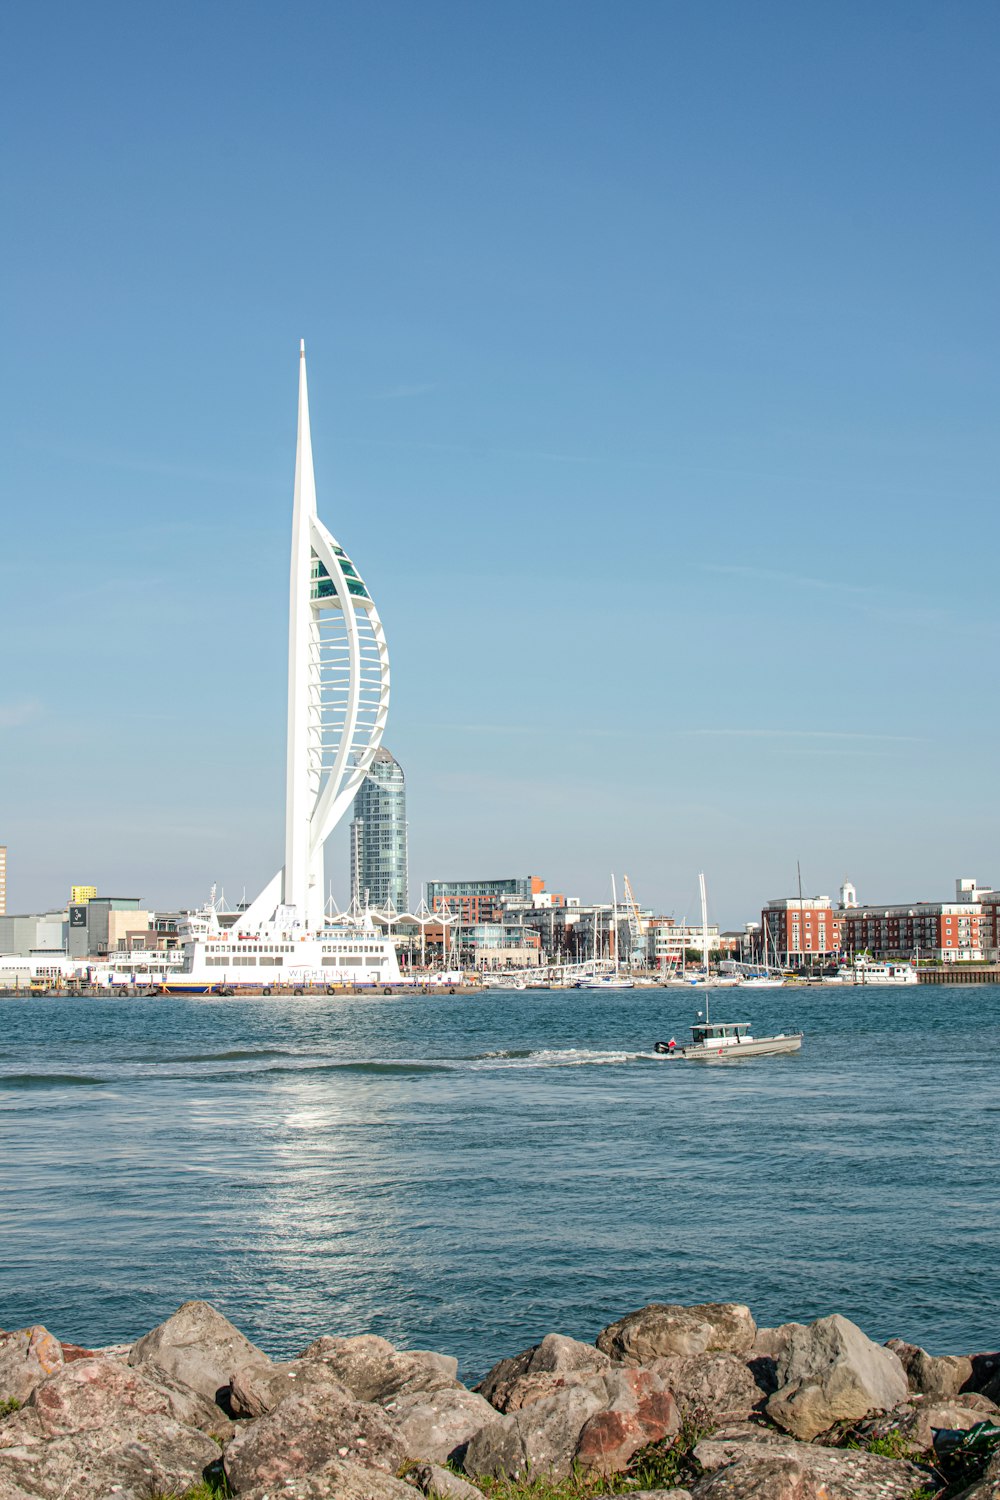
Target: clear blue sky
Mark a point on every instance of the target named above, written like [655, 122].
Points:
[654, 379]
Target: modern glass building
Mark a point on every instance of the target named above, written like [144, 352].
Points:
[378, 835]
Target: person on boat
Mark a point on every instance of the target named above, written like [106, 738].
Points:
[671, 1045]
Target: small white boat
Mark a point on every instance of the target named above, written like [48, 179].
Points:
[606, 982]
[761, 982]
[727, 1041]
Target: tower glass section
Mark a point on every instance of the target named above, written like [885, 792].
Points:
[378, 835]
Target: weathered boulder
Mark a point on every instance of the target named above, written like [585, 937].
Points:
[936, 1376]
[336, 1480]
[787, 1470]
[515, 1382]
[721, 1386]
[442, 1484]
[27, 1356]
[304, 1432]
[541, 1437]
[373, 1370]
[917, 1420]
[762, 1360]
[96, 1428]
[199, 1347]
[639, 1410]
[830, 1372]
[666, 1328]
[256, 1389]
[439, 1425]
[597, 1420]
[88, 1394]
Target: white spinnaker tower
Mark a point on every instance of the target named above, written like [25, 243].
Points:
[338, 696]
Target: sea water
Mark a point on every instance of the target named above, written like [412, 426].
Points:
[469, 1173]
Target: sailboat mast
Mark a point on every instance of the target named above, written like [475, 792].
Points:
[704, 936]
[614, 922]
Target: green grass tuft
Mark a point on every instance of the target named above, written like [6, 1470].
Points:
[10, 1405]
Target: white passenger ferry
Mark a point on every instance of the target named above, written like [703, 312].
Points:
[280, 953]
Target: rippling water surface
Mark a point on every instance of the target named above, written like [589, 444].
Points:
[469, 1174]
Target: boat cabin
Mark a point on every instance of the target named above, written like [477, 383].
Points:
[719, 1033]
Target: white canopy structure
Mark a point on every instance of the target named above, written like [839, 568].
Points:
[338, 697]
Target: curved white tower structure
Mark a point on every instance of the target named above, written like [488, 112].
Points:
[338, 698]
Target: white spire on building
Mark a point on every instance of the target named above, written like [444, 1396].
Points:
[338, 696]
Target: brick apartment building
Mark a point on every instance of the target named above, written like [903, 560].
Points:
[801, 930]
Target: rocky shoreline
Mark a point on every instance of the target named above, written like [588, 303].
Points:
[670, 1400]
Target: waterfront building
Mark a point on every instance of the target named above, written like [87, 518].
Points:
[670, 941]
[3, 880]
[378, 836]
[34, 933]
[485, 900]
[96, 925]
[800, 930]
[948, 931]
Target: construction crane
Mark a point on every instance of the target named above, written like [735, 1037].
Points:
[634, 925]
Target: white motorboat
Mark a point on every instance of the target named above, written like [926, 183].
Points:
[863, 971]
[606, 982]
[728, 1041]
[761, 982]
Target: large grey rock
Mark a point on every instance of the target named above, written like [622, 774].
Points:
[830, 1372]
[199, 1347]
[443, 1484]
[335, 1480]
[596, 1421]
[96, 1428]
[515, 1382]
[542, 1437]
[439, 1425]
[256, 1389]
[666, 1328]
[373, 1370]
[787, 1470]
[936, 1376]
[27, 1356]
[719, 1386]
[304, 1432]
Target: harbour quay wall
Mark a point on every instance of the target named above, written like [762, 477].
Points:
[676, 1402]
[961, 974]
